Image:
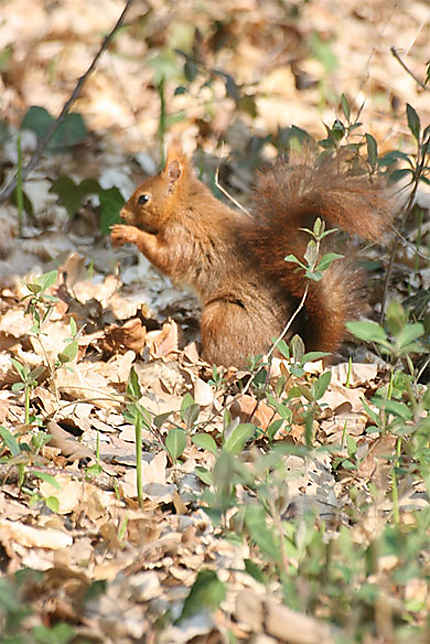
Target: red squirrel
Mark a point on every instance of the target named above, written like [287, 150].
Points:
[235, 263]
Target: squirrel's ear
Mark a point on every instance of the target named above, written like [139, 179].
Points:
[176, 164]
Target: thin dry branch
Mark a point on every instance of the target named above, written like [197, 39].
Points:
[406, 68]
[10, 187]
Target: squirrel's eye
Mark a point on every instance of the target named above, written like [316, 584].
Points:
[143, 199]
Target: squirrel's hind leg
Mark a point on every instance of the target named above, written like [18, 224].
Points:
[230, 334]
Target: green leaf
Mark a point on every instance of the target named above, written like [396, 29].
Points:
[73, 327]
[322, 50]
[190, 70]
[38, 120]
[255, 571]
[293, 259]
[71, 195]
[393, 407]
[396, 317]
[231, 87]
[161, 419]
[397, 175]
[68, 193]
[311, 252]
[368, 331]
[345, 106]
[111, 202]
[248, 104]
[314, 355]
[338, 130]
[176, 441]
[133, 386]
[283, 349]
[53, 503]
[20, 368]
[60, 633]
[239, 437]
[206, 594]
[413, 121]
[165, 65]
[44, 476]
[187, 401]
[326, 260]
[189, 410]
[69, 352]
[10, 441]
[372, 414]
[372, 150]
[297, 347]
[204, 475]
[320, 386]
[275, 426]
[47, 279]
[71, 131]
[410, 333]
[315, 276]
[391, 157]
[256, 523]
[205, 441]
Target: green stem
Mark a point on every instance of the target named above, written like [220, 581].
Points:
[396, 510]
[138, 435]
[27, 404]
[19, 191]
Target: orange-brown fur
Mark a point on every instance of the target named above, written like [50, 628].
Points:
[236, 264]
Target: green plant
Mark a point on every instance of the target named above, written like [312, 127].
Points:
[28, 381]
[14, 610]
[22, 450]
[70, 132]
[399, 340]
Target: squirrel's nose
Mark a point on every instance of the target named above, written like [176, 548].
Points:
[124, 213]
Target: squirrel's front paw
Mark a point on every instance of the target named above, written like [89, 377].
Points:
[122, 234]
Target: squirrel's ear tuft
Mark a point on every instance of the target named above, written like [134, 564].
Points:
[176, 164]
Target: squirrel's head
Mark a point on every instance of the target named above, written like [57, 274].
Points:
[154, 202]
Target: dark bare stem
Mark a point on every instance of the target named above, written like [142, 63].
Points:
[10, 187]
[406, 68]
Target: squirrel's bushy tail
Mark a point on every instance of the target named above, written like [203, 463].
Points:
[328, 189]
[291, 197]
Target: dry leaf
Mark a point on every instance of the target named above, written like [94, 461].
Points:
[249, 410]
[163, 342]
[203, 393]
[130, 336]
[69, 495]
[68, 445]
[31, 537]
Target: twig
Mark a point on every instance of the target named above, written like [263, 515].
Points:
[406, 68]
[407, 211]
[407, 244]
[10, 187]
[277, 341]
[228, 195]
